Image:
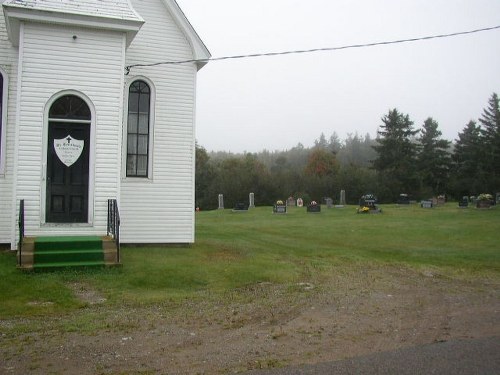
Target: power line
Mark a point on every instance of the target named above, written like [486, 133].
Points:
[270, 54]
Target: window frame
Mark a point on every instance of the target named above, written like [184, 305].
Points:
[126, 133]
[3, 121]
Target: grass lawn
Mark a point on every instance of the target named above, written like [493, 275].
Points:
[237, 250]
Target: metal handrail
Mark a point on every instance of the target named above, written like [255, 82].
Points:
[21, 231]
[114, 224]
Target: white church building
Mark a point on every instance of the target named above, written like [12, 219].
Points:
[79, 129]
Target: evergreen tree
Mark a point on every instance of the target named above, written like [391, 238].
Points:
[468, 172]
[335, 144]
[321, 142]
[490, 122]
[357, 150]
[396, 155]
[434, 160]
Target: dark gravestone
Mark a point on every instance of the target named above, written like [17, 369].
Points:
[314, 208]
[404, 199]
[368, 204]
[464, 202]
[241, 206]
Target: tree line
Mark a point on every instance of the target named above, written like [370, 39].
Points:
[401, 159]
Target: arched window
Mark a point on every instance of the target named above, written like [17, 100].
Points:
[3, 117]
[1, 108]
[69, 107]
[138, 129]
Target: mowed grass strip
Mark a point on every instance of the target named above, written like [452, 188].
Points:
[237, 250]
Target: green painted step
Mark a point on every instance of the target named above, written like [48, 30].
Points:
[66, 242]
[42, 266]
[70, 255]
[68, 251]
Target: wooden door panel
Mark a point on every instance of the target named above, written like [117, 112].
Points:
[67, 186]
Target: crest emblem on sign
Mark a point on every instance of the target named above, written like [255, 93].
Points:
[68, 149]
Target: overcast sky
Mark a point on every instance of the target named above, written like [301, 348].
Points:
[274, 103]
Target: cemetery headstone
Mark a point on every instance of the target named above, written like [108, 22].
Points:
[314, 207]
[441, 200]
[426, 204]
[221, 201]
[329, 202]
[464, 202]
[404, 199]
[300, 202]
[484, 200]
[342, 202]
[251, 200]
[290, 202]
[368, 204]
[279, 207]
[240, 207]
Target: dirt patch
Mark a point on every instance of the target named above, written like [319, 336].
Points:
[86, 293]
[262, 326]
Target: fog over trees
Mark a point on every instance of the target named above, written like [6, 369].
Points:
[404, 158]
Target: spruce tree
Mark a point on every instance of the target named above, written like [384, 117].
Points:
[434, 160]
[468, 173]
[396, 155]
[490, 123]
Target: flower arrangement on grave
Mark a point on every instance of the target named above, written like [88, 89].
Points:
[368, 204]
[279, 207]
[313, 207]
[484, 200]
[485, 197]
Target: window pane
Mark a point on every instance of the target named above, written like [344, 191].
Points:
[132, 144]
[142, 165]
[132, 123]
[142, 146]
[70, 107]
[144, 103]
[144, 88]
[131, 165]
[133, 102]
[144, 123]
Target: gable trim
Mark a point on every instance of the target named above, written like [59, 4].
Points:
[200, 51]
[14, 16]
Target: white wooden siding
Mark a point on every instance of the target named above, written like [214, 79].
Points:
[161, 209]
[92, 65]
[8, 62]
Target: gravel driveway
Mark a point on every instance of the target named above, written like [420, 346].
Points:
[456, 357]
